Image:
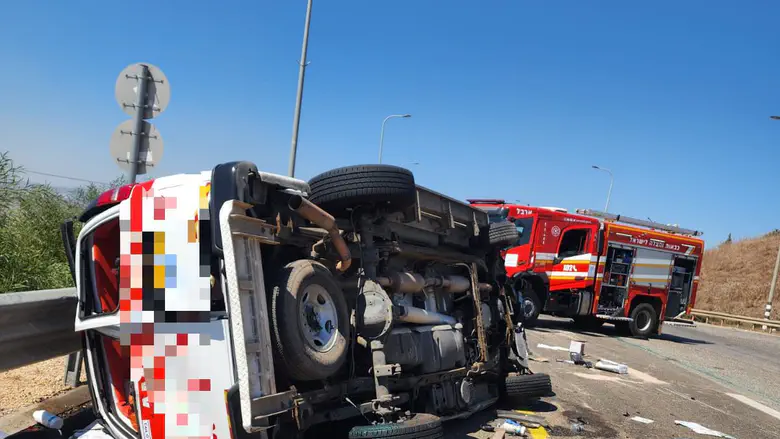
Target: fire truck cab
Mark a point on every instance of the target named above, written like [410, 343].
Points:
[597, 267]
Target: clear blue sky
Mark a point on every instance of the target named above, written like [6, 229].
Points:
[515, 99]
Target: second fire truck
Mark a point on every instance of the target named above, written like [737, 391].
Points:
[597, 267]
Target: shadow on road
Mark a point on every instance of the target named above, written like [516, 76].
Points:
[546, 325]
[682, 340]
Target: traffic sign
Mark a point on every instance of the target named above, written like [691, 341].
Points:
[158, 90]
[150, 148]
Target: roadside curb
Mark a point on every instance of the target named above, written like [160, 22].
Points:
[22, 418]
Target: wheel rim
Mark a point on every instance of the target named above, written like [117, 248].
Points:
[529, 307]
[318, 320]
[643, 321]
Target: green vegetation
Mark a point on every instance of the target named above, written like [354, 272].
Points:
[31, 251]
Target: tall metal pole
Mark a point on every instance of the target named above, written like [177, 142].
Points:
[299, 97]
[138, 122]
[768, 308]
[611, 182]
[382, 132]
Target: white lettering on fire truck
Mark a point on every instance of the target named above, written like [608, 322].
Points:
[520, 211]
[657, 243]
[569, 267]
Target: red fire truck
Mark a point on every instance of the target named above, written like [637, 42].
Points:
[596, 267]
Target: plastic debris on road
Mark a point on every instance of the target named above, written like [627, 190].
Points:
[552, 348]
[577, 347]
[48, 420]
[512, 427]
[611, 366]
[642, 420]
[698, 428]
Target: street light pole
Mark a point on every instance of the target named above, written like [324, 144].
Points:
[299, 97]
[768, 308]
[382, 133]
[611, 181]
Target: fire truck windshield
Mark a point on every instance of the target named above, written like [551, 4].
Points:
[524, 229]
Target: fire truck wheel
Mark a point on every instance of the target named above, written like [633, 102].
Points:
[418, 426]
[645, 320]
[385, 186]
[530, 305]
[502, 233]
[310, 321]
[528, 386]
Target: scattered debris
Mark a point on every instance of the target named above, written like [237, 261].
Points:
[577, 347]
[626, 414]
[698, 428]
[526, 420]
[552, 348]
[611, 366]
[48, 420]
[642, 420]
[559, 360]
[577, 427]
[512, 427]
[539, 359]
[577, 359]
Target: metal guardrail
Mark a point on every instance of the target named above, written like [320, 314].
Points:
[36, 326]
[753, 321]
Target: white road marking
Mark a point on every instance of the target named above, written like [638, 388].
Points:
[756, 405]
[688, 398]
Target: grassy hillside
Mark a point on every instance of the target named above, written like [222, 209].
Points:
[736, 277]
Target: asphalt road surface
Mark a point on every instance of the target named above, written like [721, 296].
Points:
[724, 379]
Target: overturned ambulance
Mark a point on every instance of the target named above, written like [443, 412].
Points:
[236, 303]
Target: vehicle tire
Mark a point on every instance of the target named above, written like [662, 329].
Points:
[385, 186]
[310, 321]
[588, 323]
[528, 386]
[645, 320]
[420, 426]
[502, 234]
[530, 305]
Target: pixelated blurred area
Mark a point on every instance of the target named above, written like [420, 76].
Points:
[165, 305]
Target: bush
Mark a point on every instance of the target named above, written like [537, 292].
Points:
[31, 252]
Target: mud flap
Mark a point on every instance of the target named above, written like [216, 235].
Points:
[520, 347]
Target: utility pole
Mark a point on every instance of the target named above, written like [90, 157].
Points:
[138, 122]
[301, 73]
[768, 308]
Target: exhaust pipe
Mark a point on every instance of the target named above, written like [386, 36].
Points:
[410, 314]
[313, 213]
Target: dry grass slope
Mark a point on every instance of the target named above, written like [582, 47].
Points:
[736, 277]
